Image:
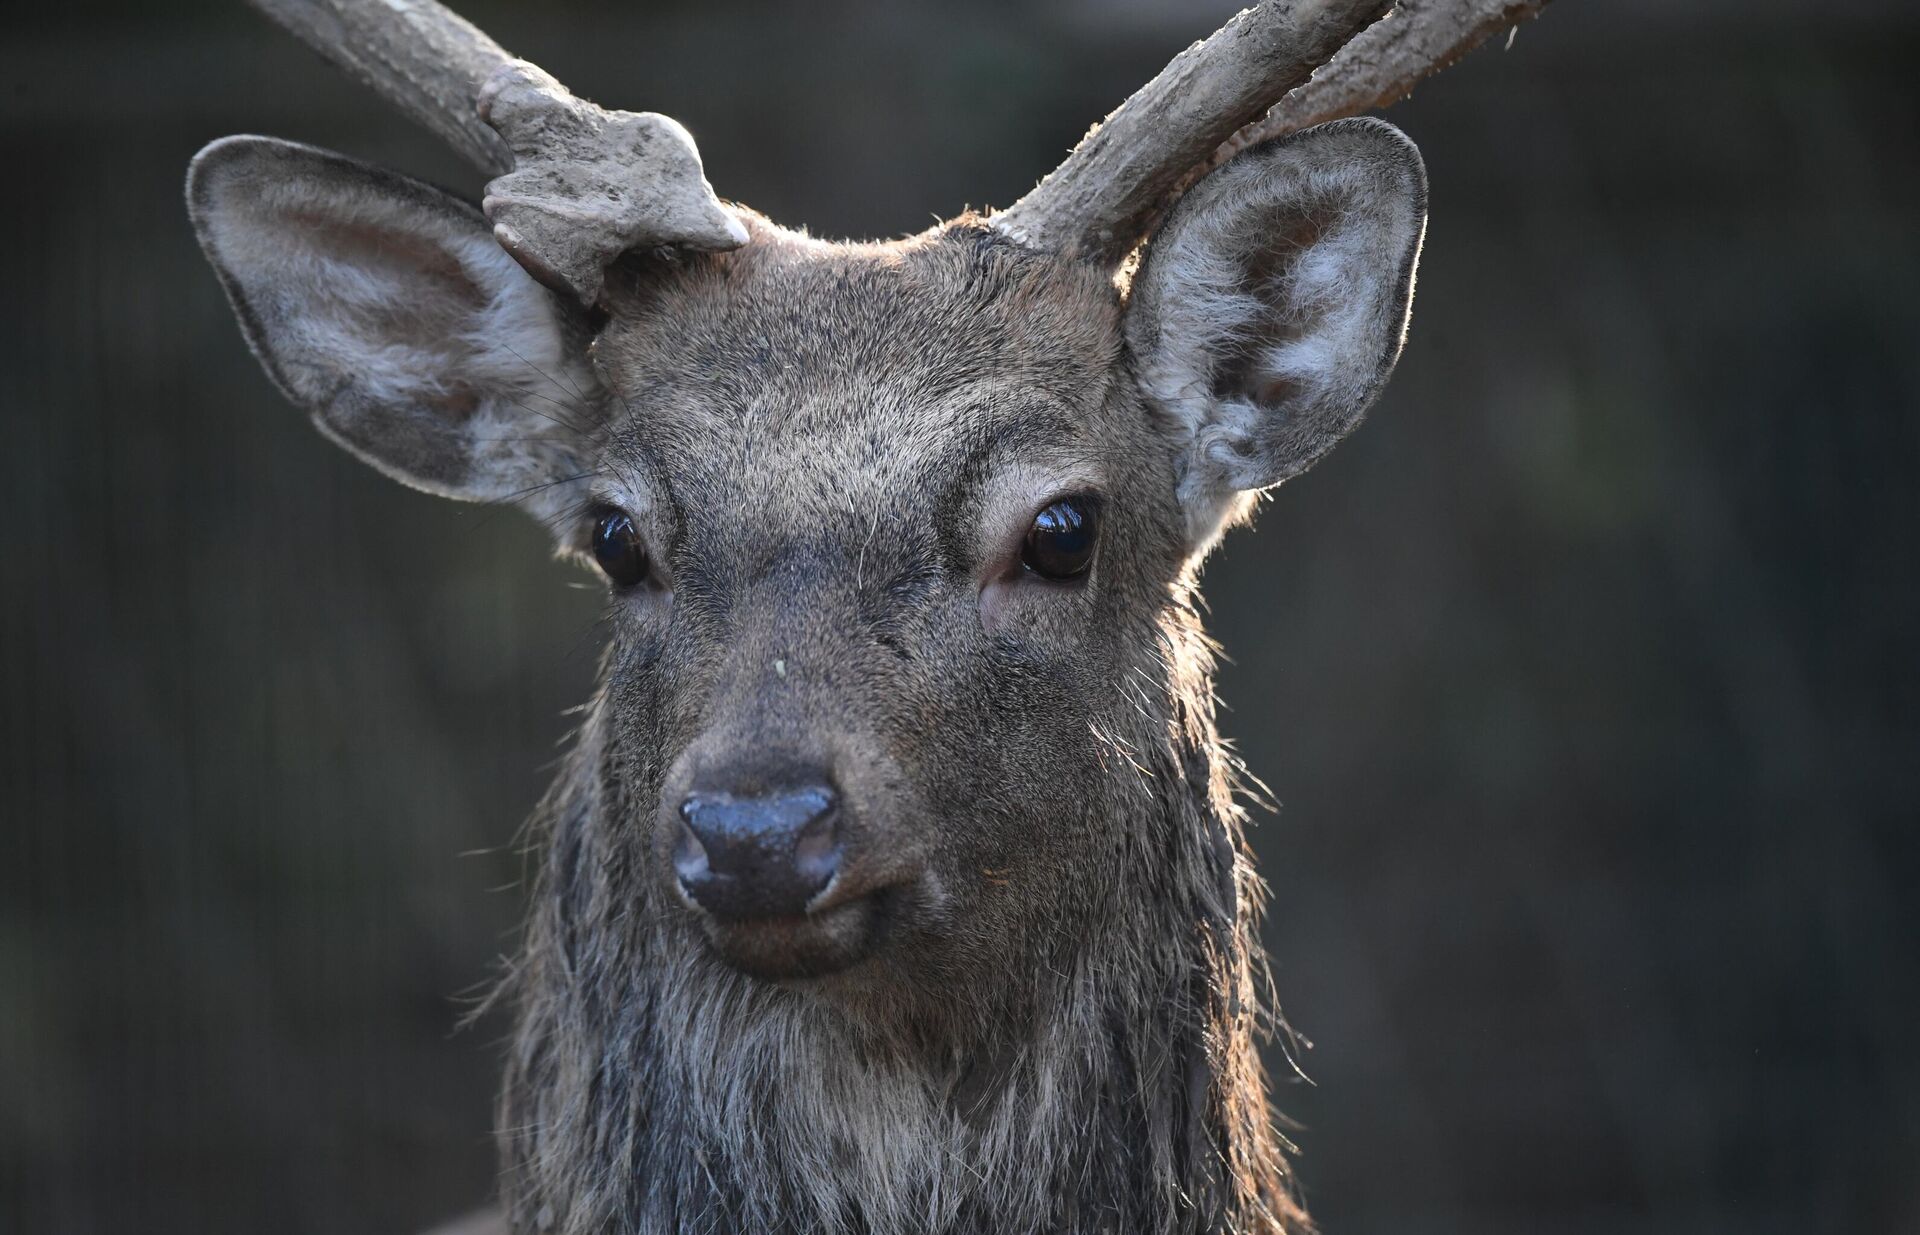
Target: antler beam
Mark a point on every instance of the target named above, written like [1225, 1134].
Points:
[1248, 82]
[574, 185]
[1100, 201]
[1385, 62]
[422, 57]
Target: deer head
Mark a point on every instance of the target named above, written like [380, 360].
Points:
[896, 842]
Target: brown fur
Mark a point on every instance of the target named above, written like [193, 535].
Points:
[1073, 968]
[1045, 1016]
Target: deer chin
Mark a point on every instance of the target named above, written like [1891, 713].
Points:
[797, 947]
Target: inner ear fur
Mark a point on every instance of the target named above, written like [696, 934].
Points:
[1272, 303]
[385, 309]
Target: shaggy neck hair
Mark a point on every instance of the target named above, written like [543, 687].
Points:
[1113, 1086]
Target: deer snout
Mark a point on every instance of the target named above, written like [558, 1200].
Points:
[791, 862]
[761, 854]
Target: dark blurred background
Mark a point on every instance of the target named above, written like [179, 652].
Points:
[1585, 672]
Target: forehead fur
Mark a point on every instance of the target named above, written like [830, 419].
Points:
[871, 356]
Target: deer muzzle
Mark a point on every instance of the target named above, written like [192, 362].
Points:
[741, 856]
[779, 859]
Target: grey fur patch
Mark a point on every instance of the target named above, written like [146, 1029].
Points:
[832, 453]
[832, 449]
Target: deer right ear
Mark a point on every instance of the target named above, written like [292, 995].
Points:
[1272, 304]
[387, 311]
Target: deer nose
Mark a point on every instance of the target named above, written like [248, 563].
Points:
[759, 855]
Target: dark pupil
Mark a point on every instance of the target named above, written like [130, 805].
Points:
[1060, 543]
[616, 546]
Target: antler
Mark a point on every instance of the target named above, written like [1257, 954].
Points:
[574, 185]
[1248, 82]
[1384, 62]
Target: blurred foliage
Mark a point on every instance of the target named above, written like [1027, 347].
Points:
[1586, 671]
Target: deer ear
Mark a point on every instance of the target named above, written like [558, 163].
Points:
[386, 310]
[1272, 303]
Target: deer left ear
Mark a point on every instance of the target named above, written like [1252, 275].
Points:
[1272, 304]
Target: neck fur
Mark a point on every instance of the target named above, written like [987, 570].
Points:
[651, 1091]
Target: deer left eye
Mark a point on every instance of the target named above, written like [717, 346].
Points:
[618, 549]
[1061, 541]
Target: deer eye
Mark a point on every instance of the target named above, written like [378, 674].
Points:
[618, 549]
[1061, 541]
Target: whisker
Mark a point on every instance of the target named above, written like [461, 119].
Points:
[489, 511]
[563, 422]
[575, 391]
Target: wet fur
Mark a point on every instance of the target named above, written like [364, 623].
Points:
[827, 448]
[1059, 1036]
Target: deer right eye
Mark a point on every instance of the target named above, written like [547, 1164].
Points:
[618, 549]
[1061, 541]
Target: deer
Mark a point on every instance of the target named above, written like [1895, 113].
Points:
[895, 879]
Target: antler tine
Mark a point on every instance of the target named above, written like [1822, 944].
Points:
[574, 185]
[1384, 62]
[1248, 82]
[1100, 201]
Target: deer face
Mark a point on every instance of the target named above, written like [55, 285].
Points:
[896, 537]
[904, 530]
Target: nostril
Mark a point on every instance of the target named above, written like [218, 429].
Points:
[757, 855]
[689, 855]
[816, 855]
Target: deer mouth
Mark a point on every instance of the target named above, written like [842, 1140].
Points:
[791, 947]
